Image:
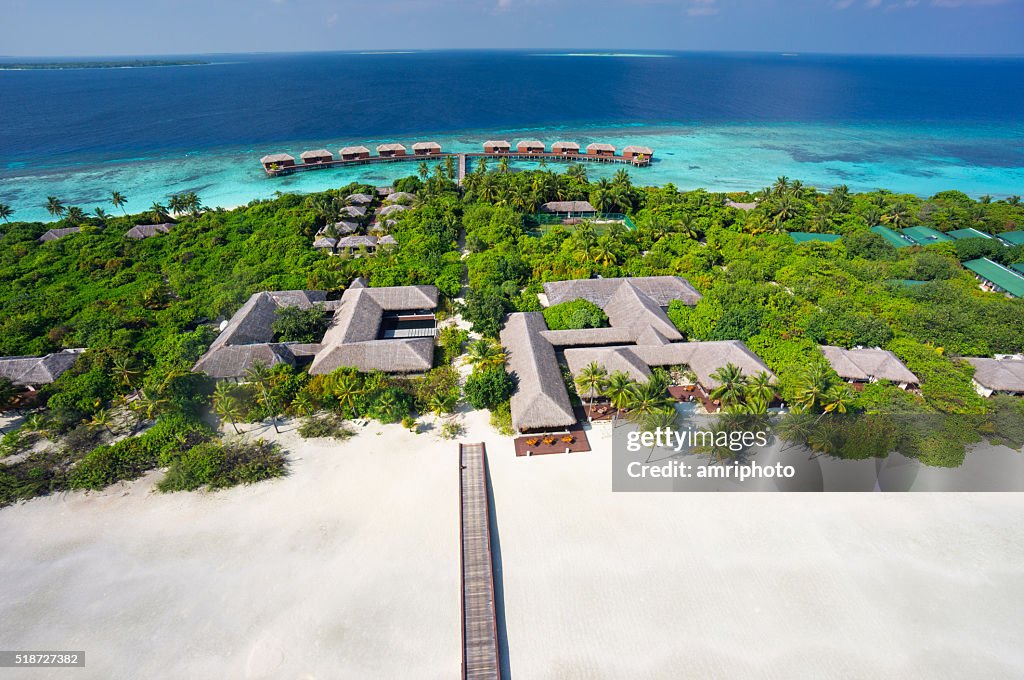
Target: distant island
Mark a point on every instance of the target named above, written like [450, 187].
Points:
[63, 65]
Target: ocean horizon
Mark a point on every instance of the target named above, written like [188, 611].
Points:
[724, 122]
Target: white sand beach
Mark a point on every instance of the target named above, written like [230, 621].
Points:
[349, 568]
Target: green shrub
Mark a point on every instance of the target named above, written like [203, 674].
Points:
[575, 314]
[219, 466]
[487, 389]
[293, 324]
[324, 427]
[501, 419]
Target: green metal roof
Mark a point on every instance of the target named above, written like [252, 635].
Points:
[925, 236]
[805, 237]
[1019, 267]
[969, 232]
[1000, 277]
[893, 239]
[1014, 238]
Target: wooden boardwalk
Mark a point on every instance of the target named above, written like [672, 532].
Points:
[462, 168]
[479, 620]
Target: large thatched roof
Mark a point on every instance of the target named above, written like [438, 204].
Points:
[31, 371]
[325, 242]
[277, 158]
[390, 209]
[599, 146]
[868, 364]
[541, 400]
[141, 231]
[346, 227]
[999, 375]
[629, 307]
[661, 289]
[353, 211]
[612, 359]
[589, 337]
[359, 199]
[54, 234]
[645, 150]
[390, 147]
[408, 355]
[317, 153]
[353, 150]
[357, 241]
[426, 146]
[568, 207]
[704, 358]
[559, 147]
[497, 144]
[400, 197]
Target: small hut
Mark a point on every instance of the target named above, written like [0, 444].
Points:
[354, 243]
[387, 240]
[314, 157]
[325, 243]
[403, 197]
[354, 153]
[599, 149]
[346, 227]
[359, 199]
[141, 231]
[391, 150]
[392, 208]
[426, 148]
[492, 146]
[638, 153]
[277, 160]
[530, 146]
[566, 148]
[54, 234]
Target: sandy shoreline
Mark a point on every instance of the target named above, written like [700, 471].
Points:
[349, 568]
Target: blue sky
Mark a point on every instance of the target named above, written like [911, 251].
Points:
[115, 27]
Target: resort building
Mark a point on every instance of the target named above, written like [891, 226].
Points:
[318, 156]
[1019, 267]
[570, 208]
[862, 365]
[925, 236]
[970, 232]
[390, 150]
[492, 146]
[141, 231]
[277, 160]
[426, 148]
[392, 209]
[997, 278]
[566, 148]
[891, 237]
[1002, 375]
[31, 373]
[807, 237]
[741, 206]
[325, 243]
[54, 234]
[359, 199]
[633, 152]
[403, 197]
[354, 153]
[352, 244]
[356, 211]
[639, 337]
[1012, 238]
[381, 329]
[345, 227]
[598, 149]
[530, 146]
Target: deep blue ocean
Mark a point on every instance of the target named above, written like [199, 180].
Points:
[721, 121]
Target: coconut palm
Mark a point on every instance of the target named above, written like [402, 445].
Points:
[441, 403]
[814, 383]
[176, 204]
[193, 204]
[423, 170]
[731, 385]
[618, 391]
[346, 389]
[55, 206]
[591, 381]
[646, 398]
[483, 354]
[101, 215]
[74, 215]
[503, 168]
[481, 166]
[838, 398]
[5, 212]
[124, 371]
[102, 420]
[305, 404]
[761, 386]
[159, 212]
[449, 167]
[118, 200]
[225, 405]
[897, 215]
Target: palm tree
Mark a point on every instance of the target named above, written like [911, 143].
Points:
[74, 215]
[441, 403]
[503, 166]
[646, 398]
[101, 419]
[118, 200]
[55, 206]
[101, 215]
[577, 172]
[838, 398]
[1013, 200]
[176, 204]
[591, 381]
[760, 386]
[304, 404]
[483, 354]
[124, 371]
[449, 167]
[5, 212]
[225, 404]
[423, 170]
[781, 186]
[481, 166]
[731, 385]
[346, 389]
[618, 390]
[814, 384]
[159, 212]
[898, 215]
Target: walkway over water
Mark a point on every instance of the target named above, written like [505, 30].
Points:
[479, 622]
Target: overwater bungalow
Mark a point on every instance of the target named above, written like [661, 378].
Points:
[426, 148]
[634, 152]
[530, 146]
[866, 365]
[317, 156]
[1002, 375]
[354, 153]
[492, 146]
[141, 231]
[391, 150]
[566, 148]
[55, 234]
[277, 160]
[30, 373]
[600, 149]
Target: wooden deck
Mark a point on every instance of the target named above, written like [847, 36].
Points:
[479, 617]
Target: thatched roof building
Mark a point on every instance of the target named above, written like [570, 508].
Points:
[31, 372]
[497, 146]
[741, 206]
[317, 156]
[541, 401]
[600, 149]
[248, 337]
[530, 146]
[568, 148]
[345, 227]
[141, 231]
[403, 197]
[634, 151]
[54, 234]
[354, 337]
[1000, 375]
[359, 199]
[353, 211]
[661, 289]
[280, 160]
[704, 358]
[389, 150]
[569, 208]
[356, 241]
[612, 359]
[868, 365]
[352, 153]
[391, 209]
[426, 148]
[325, 243]
[387, 240]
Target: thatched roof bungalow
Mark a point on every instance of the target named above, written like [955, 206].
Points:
[141, 231]
[32, 372]
[566, 148]
[359, 199]
[497, 146]
[661, 289]
[600, 149]
[541, 401]
[704, 358]
[355, 242]
[578, 208]
[277, 160]
[612, 359]
[741, 206]
[530, 146]
[345, 227]
[354, 153]
[403, 197]
[356, 211]
[637, 152]
[426, 148]
[387, 240]
[325, 243]
[317, 156]
[391, 209]
[54, 234]
[1002, 375]
[863, 365]
[391, 150]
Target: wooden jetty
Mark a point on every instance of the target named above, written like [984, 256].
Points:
[479, 617]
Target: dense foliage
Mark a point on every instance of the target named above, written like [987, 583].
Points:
[575, 314]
